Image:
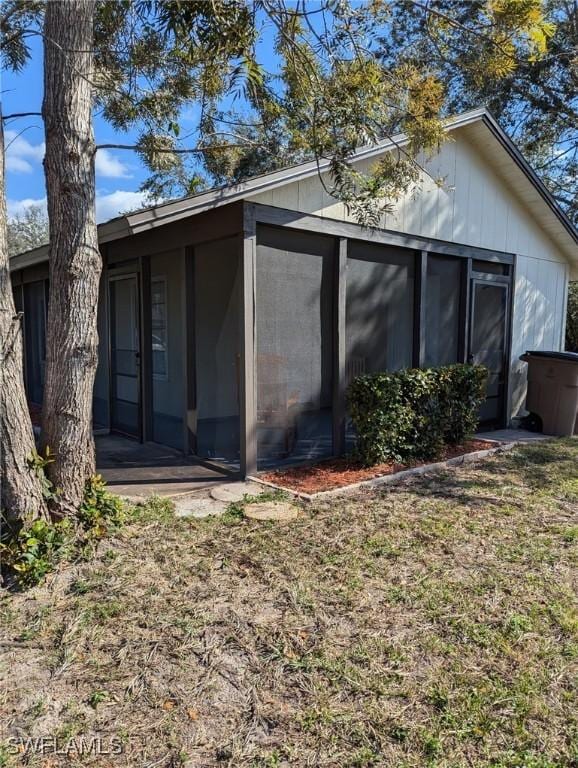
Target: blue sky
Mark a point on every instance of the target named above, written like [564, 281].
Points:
[118, 173]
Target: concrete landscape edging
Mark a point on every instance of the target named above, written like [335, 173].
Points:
[395, 477]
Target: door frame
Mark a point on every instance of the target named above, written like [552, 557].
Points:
[505, 281]
[111, 278]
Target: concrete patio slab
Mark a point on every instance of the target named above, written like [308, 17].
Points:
[138, 470]
[198, 506]
[232, 492]
[512, 436]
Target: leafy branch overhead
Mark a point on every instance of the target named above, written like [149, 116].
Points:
[531, 87]
[320, 86]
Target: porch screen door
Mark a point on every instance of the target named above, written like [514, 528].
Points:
[125, 355]
[488, 343]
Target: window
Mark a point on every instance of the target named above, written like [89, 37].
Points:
[159, 327]
[35, 308]
[490, 267]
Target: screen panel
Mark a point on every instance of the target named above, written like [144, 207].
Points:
[125, 355]
[488, 343]
[218, 326]
[379, 309]
[294, 310]
[443, 291]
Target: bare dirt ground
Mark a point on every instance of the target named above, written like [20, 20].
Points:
[429, 624]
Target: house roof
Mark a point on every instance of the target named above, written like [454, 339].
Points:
[500, 152]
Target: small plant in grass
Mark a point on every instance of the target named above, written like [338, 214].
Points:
[100, 511]
[154, 509]
[5, 756]
[97, 697]
[36, 550]
[235, 510]
[38, 464]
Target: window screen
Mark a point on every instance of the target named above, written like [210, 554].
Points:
[167, 347]
[379, 309]
[490, 267]
[294, 345]
[35, 337]
[159, 326]
[442, 310]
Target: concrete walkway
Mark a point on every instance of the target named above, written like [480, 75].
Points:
[137, 470]
[512, 436]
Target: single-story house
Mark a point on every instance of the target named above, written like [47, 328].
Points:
[232, 321]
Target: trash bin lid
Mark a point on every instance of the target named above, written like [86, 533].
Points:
[571, 357]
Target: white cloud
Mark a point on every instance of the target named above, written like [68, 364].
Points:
[17, 207]
[107, 205]
[111, 205]
[110, 166]
[21, 155]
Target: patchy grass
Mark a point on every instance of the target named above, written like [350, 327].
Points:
[430, 624]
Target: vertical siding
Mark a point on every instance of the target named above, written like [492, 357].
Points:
[539, 316]
[473, 206]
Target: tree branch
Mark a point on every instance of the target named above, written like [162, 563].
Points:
[177, 151]
[14, 115]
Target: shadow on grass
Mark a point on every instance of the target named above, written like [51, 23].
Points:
[539, 467]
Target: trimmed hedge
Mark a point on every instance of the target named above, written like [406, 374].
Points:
[413, 413]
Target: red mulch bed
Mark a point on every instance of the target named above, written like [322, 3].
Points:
[337, 473]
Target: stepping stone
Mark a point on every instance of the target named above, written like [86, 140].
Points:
[199, 507]
[272, 510]
[231, 492]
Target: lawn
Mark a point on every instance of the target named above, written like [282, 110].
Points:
[429, 624]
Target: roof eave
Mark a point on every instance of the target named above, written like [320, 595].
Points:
[491, 123]
[166, 213]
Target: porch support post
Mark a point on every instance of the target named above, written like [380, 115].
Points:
[509, 342]
[465, 299]
[104, 340]
[248, 393]
[190, 439]
[339, 348]
[146, 348]
[419, 320]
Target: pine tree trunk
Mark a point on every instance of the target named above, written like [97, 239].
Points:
[75, 261]
[20, 492]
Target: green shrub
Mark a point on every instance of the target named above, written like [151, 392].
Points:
[36, 550]
[412, 413]
[465, 391]
[100, 510]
